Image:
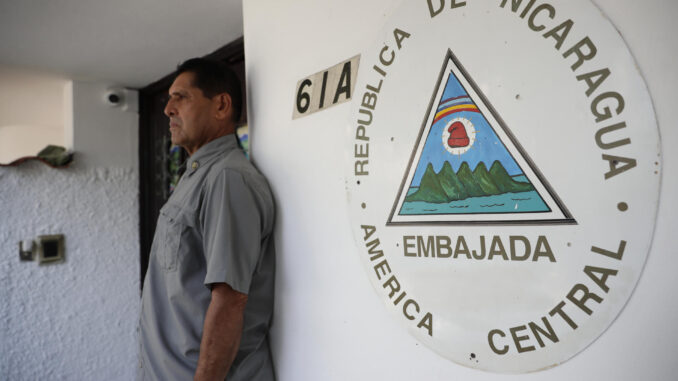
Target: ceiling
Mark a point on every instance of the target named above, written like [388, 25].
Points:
[126, 42]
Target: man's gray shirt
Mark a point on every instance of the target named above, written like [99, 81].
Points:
[216, 227]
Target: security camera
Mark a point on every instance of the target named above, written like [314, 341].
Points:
[114, 97]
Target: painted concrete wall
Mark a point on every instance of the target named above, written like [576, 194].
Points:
[32, 112]
[109, 136]
[74, 320]
[329, 323]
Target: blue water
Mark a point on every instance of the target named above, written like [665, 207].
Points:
[523, 202]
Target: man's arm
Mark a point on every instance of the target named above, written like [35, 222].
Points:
[221, 333]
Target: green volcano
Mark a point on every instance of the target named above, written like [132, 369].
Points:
[446, 185]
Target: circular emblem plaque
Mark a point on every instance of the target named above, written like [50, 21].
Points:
[503, 177]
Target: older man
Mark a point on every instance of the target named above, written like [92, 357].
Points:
[208, 294]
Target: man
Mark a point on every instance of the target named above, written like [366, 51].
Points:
[208, 294]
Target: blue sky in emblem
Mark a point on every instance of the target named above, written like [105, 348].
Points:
[453, 89]
[486, 148]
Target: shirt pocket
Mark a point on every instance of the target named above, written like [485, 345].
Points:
[171, 227]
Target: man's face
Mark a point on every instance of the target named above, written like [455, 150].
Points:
[192, 122]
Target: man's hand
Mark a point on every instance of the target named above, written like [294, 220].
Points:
[221, 333]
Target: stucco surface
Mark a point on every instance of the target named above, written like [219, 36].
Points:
[73, 320]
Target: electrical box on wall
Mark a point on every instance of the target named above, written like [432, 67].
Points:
[47, 249]
[50, 248]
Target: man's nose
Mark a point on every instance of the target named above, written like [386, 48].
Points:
[169, 109]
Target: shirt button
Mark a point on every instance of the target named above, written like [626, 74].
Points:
[195, 165]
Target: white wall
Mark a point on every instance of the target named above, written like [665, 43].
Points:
[32, 112]
[74, 320]
[329, 323]
[105, 136]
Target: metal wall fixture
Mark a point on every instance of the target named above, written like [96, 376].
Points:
[46, 249]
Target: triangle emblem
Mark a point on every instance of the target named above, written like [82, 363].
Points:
[468, 168]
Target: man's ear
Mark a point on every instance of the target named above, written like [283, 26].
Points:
[224, 106]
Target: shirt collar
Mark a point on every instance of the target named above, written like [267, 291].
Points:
[209, 151]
